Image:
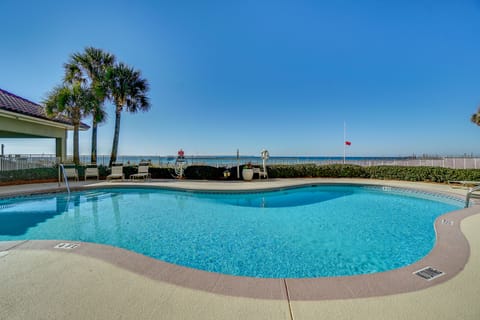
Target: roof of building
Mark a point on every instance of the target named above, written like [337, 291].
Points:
[13, 103]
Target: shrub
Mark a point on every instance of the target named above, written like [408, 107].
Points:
[312, 170]
[29, 175]
[427, 174]
[204, 173]
[155, 172]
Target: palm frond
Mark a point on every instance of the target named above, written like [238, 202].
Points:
[476, 117]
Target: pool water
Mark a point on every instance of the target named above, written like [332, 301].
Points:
[316, 231]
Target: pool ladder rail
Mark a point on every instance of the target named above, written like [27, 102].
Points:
[61, 169]
[471, 194]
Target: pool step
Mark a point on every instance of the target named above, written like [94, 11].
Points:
[97, 195]
[6, 205]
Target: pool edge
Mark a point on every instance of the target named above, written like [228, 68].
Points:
[450, 254]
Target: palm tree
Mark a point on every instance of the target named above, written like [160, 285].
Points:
[90, 68]
[476, 117]
[128, 91]
[73, 102]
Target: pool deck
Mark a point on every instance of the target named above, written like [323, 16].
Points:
[101, 282]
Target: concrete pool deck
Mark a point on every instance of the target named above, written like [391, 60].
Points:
[101, 282]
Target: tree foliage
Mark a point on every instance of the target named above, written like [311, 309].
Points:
[90, 68]
[74, 102]
[127, 89]
[476, 117]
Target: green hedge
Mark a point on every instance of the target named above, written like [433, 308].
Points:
[428, 174]
[44, 174]
[155, 172]
[204, 173]
[29, 174]
[312, 170]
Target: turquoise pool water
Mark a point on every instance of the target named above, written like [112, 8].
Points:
[315, 231]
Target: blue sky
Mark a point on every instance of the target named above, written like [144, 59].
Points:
[281, 75]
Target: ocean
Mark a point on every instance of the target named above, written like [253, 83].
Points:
[229, 161]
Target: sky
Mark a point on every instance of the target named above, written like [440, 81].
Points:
[282, 75]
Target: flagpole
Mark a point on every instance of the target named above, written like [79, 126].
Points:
[344, 141]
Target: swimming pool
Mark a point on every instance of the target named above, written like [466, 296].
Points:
[315, 231]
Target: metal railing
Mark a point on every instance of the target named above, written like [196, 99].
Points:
[163, 161]
[31, 161]
[20, 162]
[61, 170]
[471, 194]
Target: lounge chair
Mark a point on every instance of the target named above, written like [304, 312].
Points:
[473, 193]
[71, 172]
[465, 184]
[91, 171]
[117, 172]
[142, 172]
[261, 173]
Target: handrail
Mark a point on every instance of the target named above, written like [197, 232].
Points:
[65, 178]
[470, 194]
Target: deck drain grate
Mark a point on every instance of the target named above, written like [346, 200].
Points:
[447, 222]
[66, 245]
[429, 273]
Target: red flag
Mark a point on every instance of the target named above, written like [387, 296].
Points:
[348, 143]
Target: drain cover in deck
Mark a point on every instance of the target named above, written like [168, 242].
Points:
[66, 245]
[429, 273]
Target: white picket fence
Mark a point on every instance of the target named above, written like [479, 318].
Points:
[19, 162]
[454, 163]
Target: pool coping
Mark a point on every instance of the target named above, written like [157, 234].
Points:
[450, 254]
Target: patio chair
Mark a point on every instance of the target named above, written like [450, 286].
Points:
[473, 193]
[465, 184]
[91, 171]
[117, 172]
[261, 173]
[142, 172]
[71, 172]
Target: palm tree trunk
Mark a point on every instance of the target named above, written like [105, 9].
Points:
[93, 157]
[113, 156]
[76, 153]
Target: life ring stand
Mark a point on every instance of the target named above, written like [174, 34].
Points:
[265, 155]
[180, 164]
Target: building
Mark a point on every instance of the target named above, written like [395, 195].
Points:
[21, 118]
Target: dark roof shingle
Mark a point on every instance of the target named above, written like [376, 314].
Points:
[14, 103]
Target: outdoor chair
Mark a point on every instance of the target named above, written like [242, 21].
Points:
[465, 184]
[142, 172]
[472, 193]
[117, 172]
[261, 173]
[71, 172]
[91, 171]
